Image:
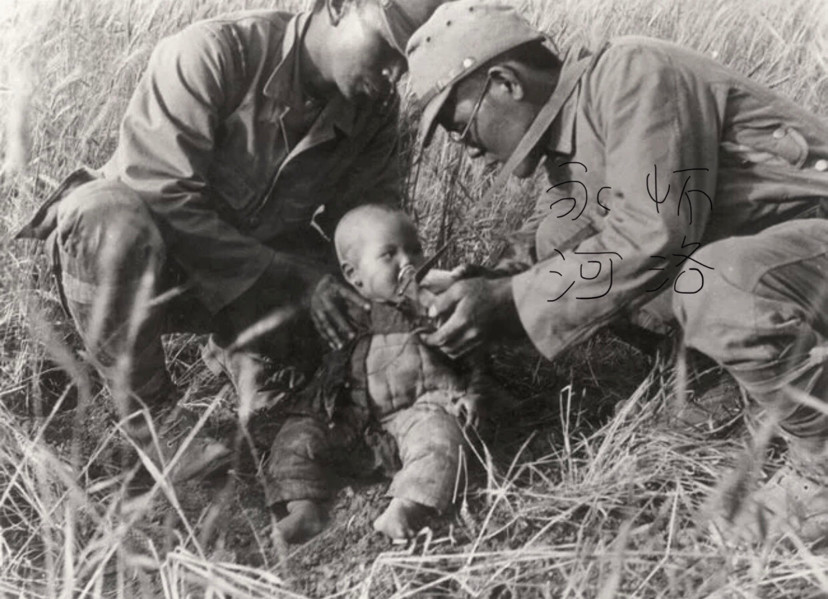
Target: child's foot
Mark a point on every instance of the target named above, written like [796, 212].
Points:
[305, 520]
[402, 518]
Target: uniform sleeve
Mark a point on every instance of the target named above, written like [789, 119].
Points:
[165, 147]
[657, 120]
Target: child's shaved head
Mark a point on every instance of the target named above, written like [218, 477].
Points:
[351, 229]
[373, 243]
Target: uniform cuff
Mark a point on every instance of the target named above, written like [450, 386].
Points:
[531, 304]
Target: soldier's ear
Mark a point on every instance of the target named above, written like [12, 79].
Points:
[336, 10]
[506, 82]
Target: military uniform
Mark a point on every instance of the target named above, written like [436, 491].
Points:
[680, 191]
[674, 179]
[227, 174]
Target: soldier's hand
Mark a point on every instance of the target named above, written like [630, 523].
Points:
[471, 311]
[328, 308]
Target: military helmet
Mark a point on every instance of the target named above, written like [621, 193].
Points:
[459, 37]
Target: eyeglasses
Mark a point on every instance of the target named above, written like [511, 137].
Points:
[460, 136]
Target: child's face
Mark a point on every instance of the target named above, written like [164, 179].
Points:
[387, 243]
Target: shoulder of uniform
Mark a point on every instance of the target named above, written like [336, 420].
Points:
[246, 18]
[625, 60]
[242, 25]
[629, 47]
[654, 52]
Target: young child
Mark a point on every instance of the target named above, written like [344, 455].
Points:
[386, 378]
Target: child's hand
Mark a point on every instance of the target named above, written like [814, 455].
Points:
[467, 409]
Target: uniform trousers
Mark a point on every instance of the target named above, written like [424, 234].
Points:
[123, 290]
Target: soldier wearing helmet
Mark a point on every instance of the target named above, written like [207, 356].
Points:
[682, 195]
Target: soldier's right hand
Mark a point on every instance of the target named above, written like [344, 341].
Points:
[328, 307]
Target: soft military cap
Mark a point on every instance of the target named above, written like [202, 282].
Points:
[458, 38]
[403, 17]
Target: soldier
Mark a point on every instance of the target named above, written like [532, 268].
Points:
[246, 138]
[680, 192]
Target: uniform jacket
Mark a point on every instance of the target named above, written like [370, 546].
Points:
[658, 150]
[232, 159]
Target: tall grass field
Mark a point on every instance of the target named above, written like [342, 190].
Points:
[581, 490]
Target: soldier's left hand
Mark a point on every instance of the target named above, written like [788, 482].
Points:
[328, 308]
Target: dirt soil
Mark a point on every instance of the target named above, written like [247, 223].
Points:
[228, 513]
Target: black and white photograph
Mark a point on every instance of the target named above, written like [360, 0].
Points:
[496, 299]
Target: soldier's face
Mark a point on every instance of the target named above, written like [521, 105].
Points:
[364, 63]
[490, 122]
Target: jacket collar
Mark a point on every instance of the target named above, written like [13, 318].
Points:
[282, 86]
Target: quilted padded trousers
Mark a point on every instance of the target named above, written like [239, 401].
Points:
[428, 438]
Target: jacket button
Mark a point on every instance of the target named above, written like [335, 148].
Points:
[779, 133]
[253, 222]
[821, 165]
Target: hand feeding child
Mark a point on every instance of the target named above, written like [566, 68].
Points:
[392, 381]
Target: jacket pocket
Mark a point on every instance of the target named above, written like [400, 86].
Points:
[778, 145]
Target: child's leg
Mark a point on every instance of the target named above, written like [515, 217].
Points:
[430, 441]
[295, 477]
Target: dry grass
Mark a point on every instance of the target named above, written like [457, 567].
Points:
[576, 500]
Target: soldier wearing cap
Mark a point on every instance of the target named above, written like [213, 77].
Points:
[246, 138]
[681, 194]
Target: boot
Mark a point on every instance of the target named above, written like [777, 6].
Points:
[710, 401]
[794, 499]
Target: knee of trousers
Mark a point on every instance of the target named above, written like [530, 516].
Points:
[105, 228]
[299, 449]
[719, 314]
[437, 435]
